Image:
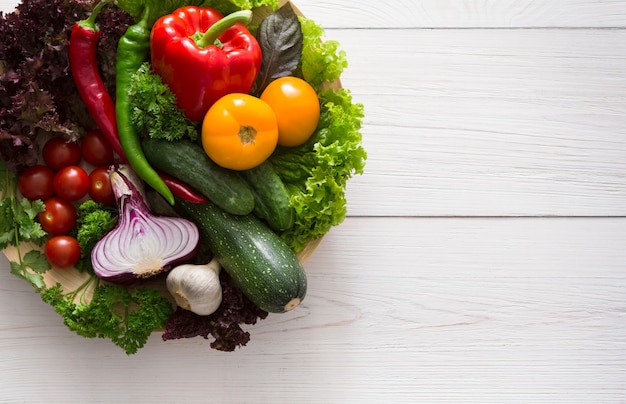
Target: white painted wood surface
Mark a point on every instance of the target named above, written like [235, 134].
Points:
[484, 257]
[466, 13]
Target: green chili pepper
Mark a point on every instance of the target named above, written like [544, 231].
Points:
[132, 50]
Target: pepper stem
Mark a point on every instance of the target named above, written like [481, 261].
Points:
[90, 22]
[217, 29]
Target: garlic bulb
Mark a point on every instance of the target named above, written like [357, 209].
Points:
[196, 288]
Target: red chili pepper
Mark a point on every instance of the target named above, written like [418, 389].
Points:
[84, 66]
[181, 190]
[202, 56]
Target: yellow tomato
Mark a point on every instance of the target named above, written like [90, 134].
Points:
[297, 109]
[239, 131]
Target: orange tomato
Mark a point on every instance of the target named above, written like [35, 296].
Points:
[297, 109]
[239, 131]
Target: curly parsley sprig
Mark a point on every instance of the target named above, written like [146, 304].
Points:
[154, 111]
[126, 316]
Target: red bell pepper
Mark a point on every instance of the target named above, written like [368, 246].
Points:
[203, 56]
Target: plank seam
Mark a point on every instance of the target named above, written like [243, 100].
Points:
[512, 28]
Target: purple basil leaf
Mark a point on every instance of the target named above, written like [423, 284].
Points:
[280, 38]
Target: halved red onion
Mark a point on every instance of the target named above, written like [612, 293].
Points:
[142, 244]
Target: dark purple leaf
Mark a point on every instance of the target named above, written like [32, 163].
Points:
[280, 38]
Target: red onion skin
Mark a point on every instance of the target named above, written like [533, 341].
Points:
[124, 278]
[130, 278]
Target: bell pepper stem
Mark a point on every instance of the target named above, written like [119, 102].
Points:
[90, 22]
[217, 29]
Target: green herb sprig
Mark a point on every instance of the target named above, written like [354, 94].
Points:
[126, 316]
[154, 111]
[18, 225]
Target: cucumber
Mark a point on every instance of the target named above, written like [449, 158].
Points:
[258, 261]
[271, 199]
[189, 163]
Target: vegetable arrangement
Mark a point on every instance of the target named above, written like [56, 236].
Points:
[177, 155]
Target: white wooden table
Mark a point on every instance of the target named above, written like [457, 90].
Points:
[484, 256]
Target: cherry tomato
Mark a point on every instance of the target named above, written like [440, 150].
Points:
[239, 131]
[71, 183]
[59, 217]
[62, 251]
[100, 189]
[96, 149]
[36, 182]
[297, 109]
[59, 153]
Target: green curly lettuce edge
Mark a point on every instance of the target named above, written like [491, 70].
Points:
[316, 173]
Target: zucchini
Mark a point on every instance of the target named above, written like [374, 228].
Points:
[271, 199]
[189, 163]
[259, 262]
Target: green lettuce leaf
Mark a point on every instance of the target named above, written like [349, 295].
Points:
[322, 60]
[160, 8]
[317, 172]
[229, 6]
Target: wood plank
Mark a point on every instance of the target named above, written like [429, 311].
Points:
[507, 122]
[456, 13]
[399, 310]
[465, 13]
